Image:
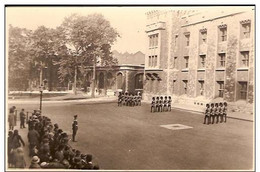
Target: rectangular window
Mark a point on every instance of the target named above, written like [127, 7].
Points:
[202, 61]
[201, 86]
[186, 61]
[176, 40]
[244, 58]
[150, 61]
[246, 28]
[153, 40]
[155, 61]
[203, 37]
[187, 40]
[175, 62]
[173, 85]
[156, 40]
[243, 90]
[220, 88]
[185, 86]
[223, 34]
[222, 60]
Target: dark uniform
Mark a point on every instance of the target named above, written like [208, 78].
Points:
[139, 97]
[157, 104]
[165, 102]
[207, 114]
[169, 103]
[212, 112]
[153, 105]
[161, 103]
[74, 128]
[119, 102]
[216, 110]
[22, 119]
[220, 112]
[225, 111]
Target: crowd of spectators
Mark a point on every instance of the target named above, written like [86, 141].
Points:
[48, 147]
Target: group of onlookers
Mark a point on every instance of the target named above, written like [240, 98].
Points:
[216, 111]
[161, 104]
[48, 147]
[127, 99]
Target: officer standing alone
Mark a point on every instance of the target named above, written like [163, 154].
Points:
[74, 128]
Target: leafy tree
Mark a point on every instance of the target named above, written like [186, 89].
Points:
[18, 58]
[85, 38]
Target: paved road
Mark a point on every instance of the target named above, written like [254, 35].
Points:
[131, 137]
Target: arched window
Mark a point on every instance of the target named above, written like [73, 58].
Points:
[119, 80]
[101, 80]
[139, 81]
[109, 80]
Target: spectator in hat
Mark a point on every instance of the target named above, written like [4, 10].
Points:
[33, 138]
[89, 164]
[10, 147]
[11, 119]
[18, 158]
[17, 140]
[153, 108]
[35, 162]
[59, 153]
[22, 119]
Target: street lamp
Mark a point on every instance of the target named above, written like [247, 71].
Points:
[41, 90]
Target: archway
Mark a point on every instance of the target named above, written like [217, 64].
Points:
[101, 81]
[119, 81]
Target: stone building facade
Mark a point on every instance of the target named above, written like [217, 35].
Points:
[201, 54]
[116, 78]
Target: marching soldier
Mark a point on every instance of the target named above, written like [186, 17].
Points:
[153, 105]
[165, 102]
[139, 98]
[225, 111]
[169, 103]
[74, 128]
[161, 103]
[220, 112]
[216, 112]
[119, 102]
[207, 114]
[212, 113]
[157, 104]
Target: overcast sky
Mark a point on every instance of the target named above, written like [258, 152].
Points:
[129, 21]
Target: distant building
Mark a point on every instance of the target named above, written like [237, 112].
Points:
[201, 54]
[128, 75]
[137, 58]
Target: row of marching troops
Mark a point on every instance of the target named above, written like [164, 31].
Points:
[160, 104]
[127, 99]
[216, 111]
[48, 147]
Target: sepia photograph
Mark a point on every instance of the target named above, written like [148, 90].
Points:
[130, 87]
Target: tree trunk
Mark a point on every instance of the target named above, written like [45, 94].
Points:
[94, 79]
[75, 81]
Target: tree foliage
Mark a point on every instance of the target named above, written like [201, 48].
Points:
[72, 45]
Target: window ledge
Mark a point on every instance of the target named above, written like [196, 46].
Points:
[242, 69]
[153, 47]
[201, 69]
[153, 69]
[220, 69]
[185, 70]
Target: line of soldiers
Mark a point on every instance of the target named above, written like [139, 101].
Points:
[159, 104]
[215, 111]
[127, 99]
